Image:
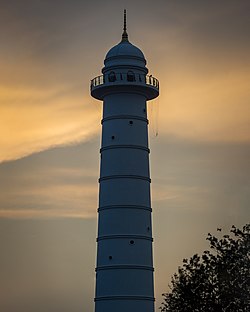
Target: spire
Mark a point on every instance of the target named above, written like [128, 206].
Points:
[125, 34]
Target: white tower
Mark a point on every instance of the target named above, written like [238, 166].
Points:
[124, 272]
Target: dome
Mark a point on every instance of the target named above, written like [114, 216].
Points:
[124, 55]
[124, 48]
[124, 71]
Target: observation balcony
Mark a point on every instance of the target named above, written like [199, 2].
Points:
[114, 82]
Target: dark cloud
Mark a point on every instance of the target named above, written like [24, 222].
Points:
[61, 179]
[54, 27]
[210, 178]
[62, 37]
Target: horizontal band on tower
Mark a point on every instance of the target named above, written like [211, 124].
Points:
[125, 146]
[128, 176]
[124, 117]
[124, 207]
[124, 298]
[124, 236]
[124, 266]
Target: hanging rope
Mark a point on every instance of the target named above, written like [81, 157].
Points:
[154, 112]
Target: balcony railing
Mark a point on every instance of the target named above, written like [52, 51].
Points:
[128, 77]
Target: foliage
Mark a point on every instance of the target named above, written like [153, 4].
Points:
[219, 280]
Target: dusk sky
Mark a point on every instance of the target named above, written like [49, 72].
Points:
[50, 137]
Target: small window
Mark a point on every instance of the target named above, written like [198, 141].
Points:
[144, 110]
[112, 77]
[131, 242]
[131, 122]
[148, 228]
[130, 76]
[113, 137]
[110, 257]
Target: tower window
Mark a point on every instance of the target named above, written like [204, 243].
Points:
[131, 242]
[113, 137]
[130, 76]
[144, 110]
[131, 122]
[110, 257]
[112, 77]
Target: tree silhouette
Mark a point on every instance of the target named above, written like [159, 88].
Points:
[219, 280]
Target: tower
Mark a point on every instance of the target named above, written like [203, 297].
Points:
[124, 272]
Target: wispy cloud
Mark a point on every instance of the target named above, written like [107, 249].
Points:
[32, 120]
[212, 109]
[46, 66]
[45, 189]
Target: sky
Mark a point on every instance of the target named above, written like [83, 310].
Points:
[50, 130]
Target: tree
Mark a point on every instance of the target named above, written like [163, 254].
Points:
[219, 280]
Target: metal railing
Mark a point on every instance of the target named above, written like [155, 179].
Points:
[113, 78]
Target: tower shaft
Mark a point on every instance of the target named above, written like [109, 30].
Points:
[124, 273]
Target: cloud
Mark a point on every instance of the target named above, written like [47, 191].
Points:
[201, 178]
[214, 108]
[36, 119]
[192, 176]
[200, 53]
[61, 183]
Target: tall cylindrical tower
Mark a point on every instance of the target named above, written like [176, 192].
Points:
[124, 272]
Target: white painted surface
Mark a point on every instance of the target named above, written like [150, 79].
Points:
[124, 273]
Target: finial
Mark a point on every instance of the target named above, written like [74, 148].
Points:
[125, 35]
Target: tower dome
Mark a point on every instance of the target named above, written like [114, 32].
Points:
[124, 70]
[124, 54]
[124, 48]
